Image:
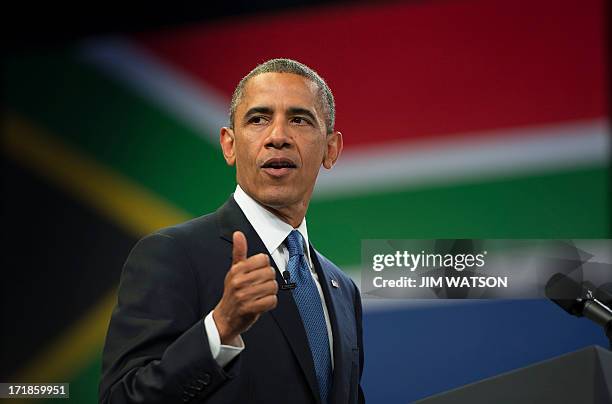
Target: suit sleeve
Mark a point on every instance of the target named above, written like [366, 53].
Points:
[156, 349]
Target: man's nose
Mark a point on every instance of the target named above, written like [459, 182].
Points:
[278, 136]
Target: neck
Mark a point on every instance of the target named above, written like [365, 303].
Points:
[292, 213]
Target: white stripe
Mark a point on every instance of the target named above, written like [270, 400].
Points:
[377, 168]
[194, 103]
[502, 153]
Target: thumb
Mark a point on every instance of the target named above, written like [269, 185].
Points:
[239, 251]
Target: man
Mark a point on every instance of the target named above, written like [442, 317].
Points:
[237, 306]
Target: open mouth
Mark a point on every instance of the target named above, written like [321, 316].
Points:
[278, 166]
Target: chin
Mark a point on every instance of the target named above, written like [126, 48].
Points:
[277, 197]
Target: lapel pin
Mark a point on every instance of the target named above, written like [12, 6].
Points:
[335, 283]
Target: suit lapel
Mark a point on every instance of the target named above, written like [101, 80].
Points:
[286, 314]
[337, 310]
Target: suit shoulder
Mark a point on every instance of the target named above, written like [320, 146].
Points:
[200, 227]
[200, 233]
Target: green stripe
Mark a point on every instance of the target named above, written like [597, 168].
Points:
[84, 383]
[572, 204]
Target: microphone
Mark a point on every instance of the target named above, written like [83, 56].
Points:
[604, 294]
[580, 300]
[287, 285]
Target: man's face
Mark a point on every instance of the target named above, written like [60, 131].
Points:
[279, 140]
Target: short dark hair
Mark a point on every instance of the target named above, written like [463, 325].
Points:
[294, 67]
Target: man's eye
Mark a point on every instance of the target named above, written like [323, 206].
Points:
[300, 121]
[257, 120]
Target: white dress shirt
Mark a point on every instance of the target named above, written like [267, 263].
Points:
[273, 232]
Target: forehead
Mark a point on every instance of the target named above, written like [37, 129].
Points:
[280, 89]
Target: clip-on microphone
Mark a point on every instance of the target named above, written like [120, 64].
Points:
[287, 285]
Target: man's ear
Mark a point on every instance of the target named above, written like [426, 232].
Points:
[228, 141]
[333, 149]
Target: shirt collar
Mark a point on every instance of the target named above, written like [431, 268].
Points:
[270, 228]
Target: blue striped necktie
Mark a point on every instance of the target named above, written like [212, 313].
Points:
[309, 304]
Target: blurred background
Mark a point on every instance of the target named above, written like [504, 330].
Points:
[461, 119]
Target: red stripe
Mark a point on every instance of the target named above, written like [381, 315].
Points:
[419, 70]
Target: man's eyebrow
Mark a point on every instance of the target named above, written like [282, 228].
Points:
[258, 110]
[290, 111]
[302, 111]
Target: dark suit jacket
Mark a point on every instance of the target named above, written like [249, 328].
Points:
[157, 350]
